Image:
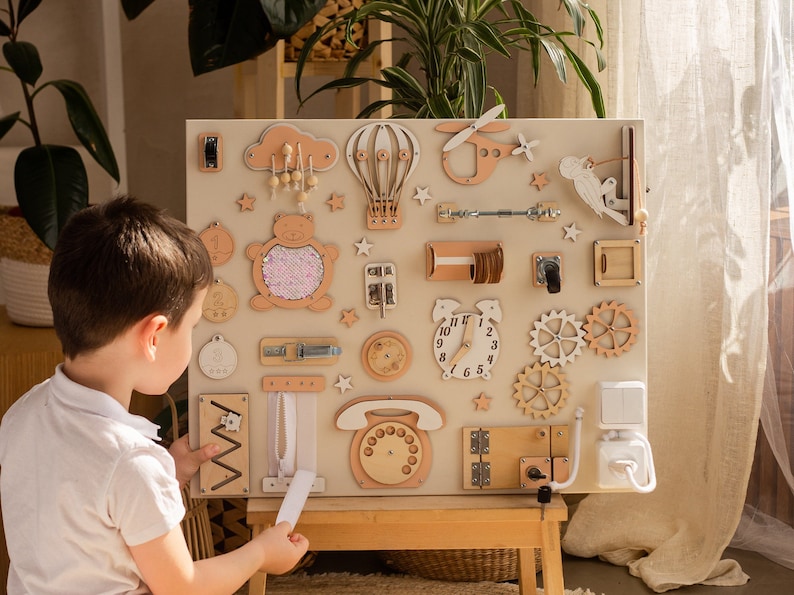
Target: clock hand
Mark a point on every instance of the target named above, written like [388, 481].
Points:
[466, 345]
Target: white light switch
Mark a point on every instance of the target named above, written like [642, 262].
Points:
[622, 404]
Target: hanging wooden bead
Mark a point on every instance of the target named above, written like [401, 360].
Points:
[297, 173]
[312, 180]
[296, 176]
[273, 180]
[302, 198]
[286, 150]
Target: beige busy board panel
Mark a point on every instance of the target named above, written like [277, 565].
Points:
[420, 307]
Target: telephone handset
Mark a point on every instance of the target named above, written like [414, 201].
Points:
[391, 448]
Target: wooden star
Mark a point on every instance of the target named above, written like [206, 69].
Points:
[571, 232]
[246, 203]
[422, 194]
[337, 201]
[349, 317]
[540, 181]
[363, 247]
[344, 384]
[483, 402]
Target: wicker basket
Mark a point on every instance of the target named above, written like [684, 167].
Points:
[332, 47]
[494, 565]
[17, 240]
[24, 270]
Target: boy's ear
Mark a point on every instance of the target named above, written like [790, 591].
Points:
[149, 336]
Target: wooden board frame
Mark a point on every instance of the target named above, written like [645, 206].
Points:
[346, 317]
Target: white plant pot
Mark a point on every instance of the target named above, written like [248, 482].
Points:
[25, 287]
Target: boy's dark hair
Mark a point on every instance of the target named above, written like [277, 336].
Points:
[118, 262]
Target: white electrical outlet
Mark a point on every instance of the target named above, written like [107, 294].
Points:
[610, 452]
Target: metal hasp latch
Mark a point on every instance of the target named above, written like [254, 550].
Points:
[380, 281]
[298, 352]
[544, 212]
[548, 271]
[480, 470]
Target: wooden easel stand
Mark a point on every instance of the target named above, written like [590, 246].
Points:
[430, 522]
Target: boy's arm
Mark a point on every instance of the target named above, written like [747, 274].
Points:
[167, 567]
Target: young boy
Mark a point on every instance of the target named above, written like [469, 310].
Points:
[90, 503]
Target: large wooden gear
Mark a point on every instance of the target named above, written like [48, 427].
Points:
[557, 338]
[611, 329]
[541, 390]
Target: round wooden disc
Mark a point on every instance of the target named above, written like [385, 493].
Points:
[386, 355]
[390, 452]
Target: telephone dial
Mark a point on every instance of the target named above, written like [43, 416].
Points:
[391, 448]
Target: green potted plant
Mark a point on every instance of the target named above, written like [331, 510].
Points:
[443, 72]
[50, 181]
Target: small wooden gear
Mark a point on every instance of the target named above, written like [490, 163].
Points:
[386, 355]
[611, 329]
[541, 390]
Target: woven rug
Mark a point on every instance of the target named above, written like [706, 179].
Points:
[357, 584]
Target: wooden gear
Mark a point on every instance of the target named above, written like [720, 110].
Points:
[541, 390]
[611, 329]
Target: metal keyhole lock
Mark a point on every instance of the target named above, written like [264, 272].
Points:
[535, 474]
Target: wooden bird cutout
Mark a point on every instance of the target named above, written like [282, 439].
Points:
[590, 188]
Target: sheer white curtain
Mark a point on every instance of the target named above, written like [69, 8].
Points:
[766, 525]
[695, 72]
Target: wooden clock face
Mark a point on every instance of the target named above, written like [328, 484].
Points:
[466, 346]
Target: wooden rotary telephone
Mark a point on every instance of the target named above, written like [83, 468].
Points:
[391, 448]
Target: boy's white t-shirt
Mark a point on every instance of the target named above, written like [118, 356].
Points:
[81, 480]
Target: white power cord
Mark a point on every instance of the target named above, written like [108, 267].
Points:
[626, 469]
[577, 441]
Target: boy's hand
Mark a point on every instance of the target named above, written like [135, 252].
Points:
[188, 460]
[282, 549]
